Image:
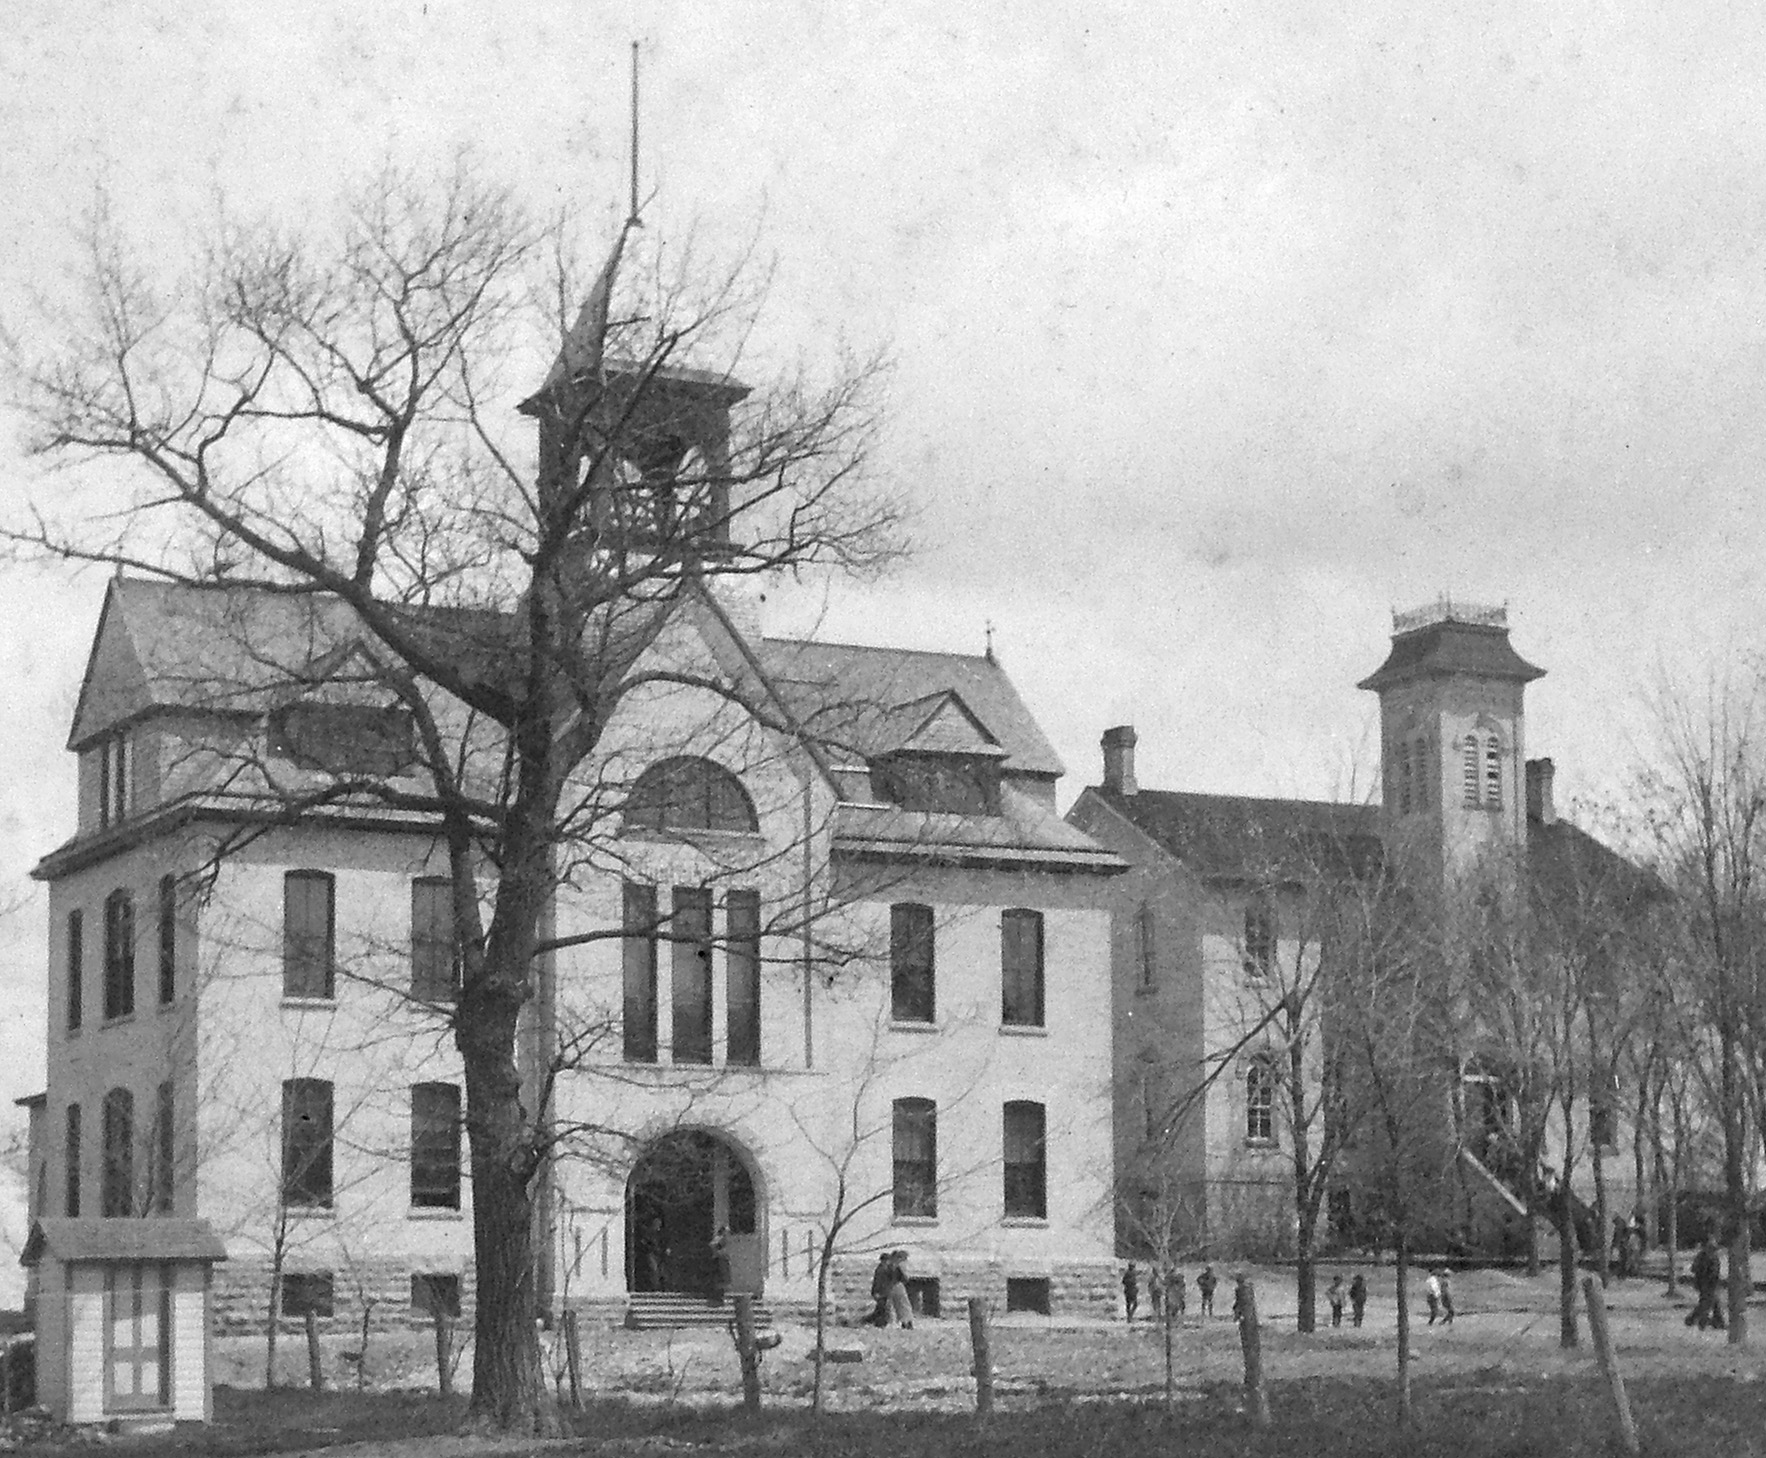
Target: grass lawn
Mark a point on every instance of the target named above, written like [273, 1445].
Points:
[1496, 1383]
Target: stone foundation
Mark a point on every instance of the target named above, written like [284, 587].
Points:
[242, 1295]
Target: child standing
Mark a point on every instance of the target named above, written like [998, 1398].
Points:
[1335, 1297]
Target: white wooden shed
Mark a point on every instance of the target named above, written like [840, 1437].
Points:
[123, 1318]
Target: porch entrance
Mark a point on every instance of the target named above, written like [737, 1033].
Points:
[684, 1188]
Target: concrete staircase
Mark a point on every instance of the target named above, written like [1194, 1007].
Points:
[667, 1310]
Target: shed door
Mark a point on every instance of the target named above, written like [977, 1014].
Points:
[137, 1337]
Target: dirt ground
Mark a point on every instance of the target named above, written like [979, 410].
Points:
[1506, 1330]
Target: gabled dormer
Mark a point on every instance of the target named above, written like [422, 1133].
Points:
[937, 755]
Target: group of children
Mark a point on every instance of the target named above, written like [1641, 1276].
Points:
[1161, 1288]
[1437, 1291]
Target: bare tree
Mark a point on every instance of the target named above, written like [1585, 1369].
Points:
[1706, 811]
[323, 422]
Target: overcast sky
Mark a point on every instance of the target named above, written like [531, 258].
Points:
[1219, 331]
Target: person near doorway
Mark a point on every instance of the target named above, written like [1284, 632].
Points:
[1446, 1283]
[1358, 1297]
[1156, 1293]
[652, 1252]
[882, 1276]
[1178, 1294]
[1707, 1281]
[1131, 1291]
[720, 1264]
[1335, 1296]
[899, 1305]
[1205, 1284]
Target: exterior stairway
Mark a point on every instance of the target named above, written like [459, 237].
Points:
[662, 1310]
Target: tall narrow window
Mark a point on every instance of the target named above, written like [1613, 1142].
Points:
[1423, 775]
[72, 1156]
[435, 1146]
[639, 949]
[691, 963]
[435, 961]
[742, 994]
[115, 776]
[119, 954]
[309, 946]
[306, 1142]
[1260, 1101]
[1021, 984]
[76, 969]
[1492, 773]
[916, 1158]
[1026, 1161]
[1404, 779]
[1144, 948]
[911, 978]
[117, 1193]
[1260, 936]
[168, 939]
[1469, 770]
[164, 1149]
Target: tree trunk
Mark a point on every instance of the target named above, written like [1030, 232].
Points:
[1736, 1187]
[1305, 1209]
[1673, 1236]
[1569, 1329]
[270, 1327]
[1603, 1217]
[1306, 1276]
[1401, 1252]
[821, 1353]
[1166, 1318]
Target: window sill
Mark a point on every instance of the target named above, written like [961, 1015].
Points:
[1263, 1146]
[1025, 1222]
[1146, 989]
[435, 1212]
[1025, 1030]
[911, 1025]
[120, 1020]
[919, 1222]
[302, 1004]
[310, 1212]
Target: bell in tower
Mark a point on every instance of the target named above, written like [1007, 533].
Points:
[640, 452]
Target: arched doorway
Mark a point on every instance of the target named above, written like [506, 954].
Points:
[685, 1187]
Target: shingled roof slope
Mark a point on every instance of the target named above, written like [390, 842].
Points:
[843, 693]
[1242, 838]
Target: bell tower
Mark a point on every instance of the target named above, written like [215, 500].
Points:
[649, 446]
[1452, 742]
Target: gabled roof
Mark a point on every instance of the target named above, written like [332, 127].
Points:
[1240, 838]
[157, 1238]
[237, 649]
[856, 698]
[1451, 647]
[1575, 875]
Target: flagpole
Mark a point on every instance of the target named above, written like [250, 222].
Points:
[632, 220]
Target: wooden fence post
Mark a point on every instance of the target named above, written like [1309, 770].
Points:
[1595, 1296]
[747, 1351]
[983, 1356]
[573, 1357]
[315, 1363]
[1245, 1308]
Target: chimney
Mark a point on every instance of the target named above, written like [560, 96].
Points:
[1539, 801]
[1119, 760]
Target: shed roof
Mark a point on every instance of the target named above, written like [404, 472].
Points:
[155, 1239]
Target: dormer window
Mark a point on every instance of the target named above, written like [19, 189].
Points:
[347, 740]
[955, 784]
[116, 778]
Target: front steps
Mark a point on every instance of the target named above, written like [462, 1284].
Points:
[668, 1310]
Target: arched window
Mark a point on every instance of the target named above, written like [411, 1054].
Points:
[1260, 1083]
[1469, 747]
[689, 794]
[118, 1190]
[1492, 772]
